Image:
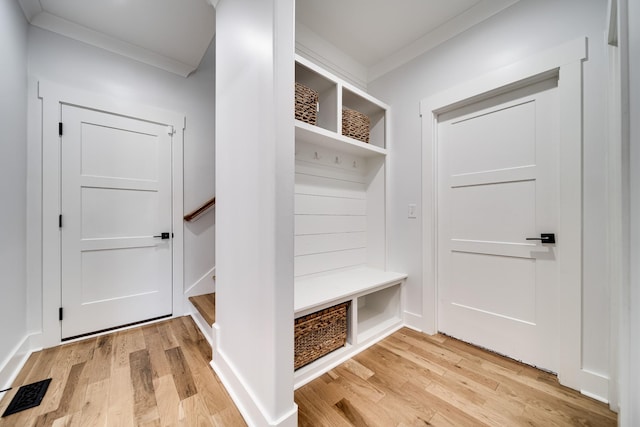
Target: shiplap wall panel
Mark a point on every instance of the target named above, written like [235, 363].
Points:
[323, 186]
[319, 243]
[323, 224]
[328, 261]
[326, 205]
[330, 213]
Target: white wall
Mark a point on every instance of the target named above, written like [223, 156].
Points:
[630, 372]
[61, 60]
[253, 354]
[520, 31]
[13, 167]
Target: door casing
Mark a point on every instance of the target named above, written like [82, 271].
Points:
[566, 62]
[53, 96]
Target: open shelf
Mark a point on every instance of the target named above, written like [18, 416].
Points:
[324, 138]
[334, 94]
[327, 94]
[355, 99]
[378, 311]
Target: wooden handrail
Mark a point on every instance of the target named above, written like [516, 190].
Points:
[192, 216]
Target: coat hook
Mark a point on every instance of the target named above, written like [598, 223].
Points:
[355, 165]
[338, 161]
[316, 156]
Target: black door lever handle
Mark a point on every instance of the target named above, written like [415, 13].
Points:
[545, 238]
[163, 236]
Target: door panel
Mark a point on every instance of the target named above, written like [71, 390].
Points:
[116, 195]
[498, 185]
[487, 139]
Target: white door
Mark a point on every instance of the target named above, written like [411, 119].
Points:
[116, 196]
[498, 185]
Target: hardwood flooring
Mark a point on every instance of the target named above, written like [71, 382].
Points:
[206, 306]
[159, 375]
[154, 375]
[411, 379]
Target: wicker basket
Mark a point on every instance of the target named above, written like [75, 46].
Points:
[319, 333]
[355, 125]
[306, 104]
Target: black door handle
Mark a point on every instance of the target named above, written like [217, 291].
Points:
[545, 238]
[163, 236]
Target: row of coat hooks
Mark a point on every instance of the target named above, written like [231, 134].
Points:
[337, 161]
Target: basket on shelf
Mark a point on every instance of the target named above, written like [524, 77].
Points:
[319, 333]
[355, 125]
[306, 104]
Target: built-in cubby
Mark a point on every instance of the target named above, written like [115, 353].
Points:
[377, 311]
[365, 104]
[327, 89]
[340, 219]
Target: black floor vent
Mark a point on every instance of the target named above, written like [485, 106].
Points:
[28, 396]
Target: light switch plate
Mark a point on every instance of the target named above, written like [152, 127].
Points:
[412, 211]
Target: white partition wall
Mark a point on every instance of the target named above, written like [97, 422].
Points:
[253, 353]
[13, 161]
[630, 328]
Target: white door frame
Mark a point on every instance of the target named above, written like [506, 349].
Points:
[566, 62]
[53, 96]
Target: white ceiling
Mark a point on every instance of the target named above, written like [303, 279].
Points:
[381, 35]
[170, 34]
[366, 37]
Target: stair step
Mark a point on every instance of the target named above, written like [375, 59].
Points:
[206, 306]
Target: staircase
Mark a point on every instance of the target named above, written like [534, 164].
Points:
[203, 311]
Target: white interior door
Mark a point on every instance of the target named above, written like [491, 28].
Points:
[116, 196]
[498, 185]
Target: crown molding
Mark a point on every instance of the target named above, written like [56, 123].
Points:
[316, 49]
[31, 8]
[450, 29]
[69, 29]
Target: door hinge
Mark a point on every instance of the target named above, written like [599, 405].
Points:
[60, 128]
[60, 313]
[59, 221]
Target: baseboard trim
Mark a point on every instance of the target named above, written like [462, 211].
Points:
[248, 406]
[15, 361]
[204, 285]
[413, 321]
[594, 385]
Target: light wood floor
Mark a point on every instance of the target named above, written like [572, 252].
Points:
[410, 379]
[159, 375]
[155, 375]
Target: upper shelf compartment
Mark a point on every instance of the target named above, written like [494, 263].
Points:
[334, 95]
[327, 94]
[376, 111]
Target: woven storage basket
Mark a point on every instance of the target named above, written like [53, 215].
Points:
[355, 125]
[319, 333]
[306, 104]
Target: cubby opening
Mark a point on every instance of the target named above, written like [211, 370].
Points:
[327, 95]
[367, 106]
[378, 311]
